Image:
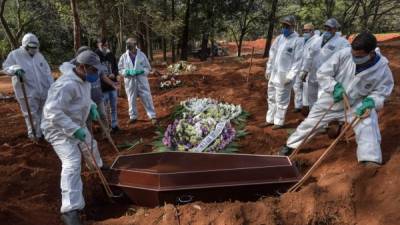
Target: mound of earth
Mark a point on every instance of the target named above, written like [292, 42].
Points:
[339, 192]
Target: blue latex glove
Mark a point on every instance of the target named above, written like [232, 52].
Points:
[80, 134]
[367, 103]
[338, 92]
[93, 113]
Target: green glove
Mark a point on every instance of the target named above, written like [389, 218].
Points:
[129, 72]
[93, 113]
[80, 134]
[19, 73]
[132, 72]
[367, 103]
[338, 92]
[139, 72]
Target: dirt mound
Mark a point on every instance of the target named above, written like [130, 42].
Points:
[340, 191]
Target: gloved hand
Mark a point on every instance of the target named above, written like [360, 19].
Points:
[267, 76]
[138, 72]
[19, 73]
[93, 113]
[132, 72]
[80, 134]
[338, 92]
[367, 103]
[303, 75]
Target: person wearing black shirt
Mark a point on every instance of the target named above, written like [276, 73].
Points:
[107, 58]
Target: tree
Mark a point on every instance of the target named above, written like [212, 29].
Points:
[246, 15]
[271, 19]
[76, 25]
[185, 33]
[14, 36]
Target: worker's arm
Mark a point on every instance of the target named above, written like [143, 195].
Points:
[297, 61]
[271, 57]
[108, 81]
[10, 65]
[54, 109]
[383, 89]
[327, 72]
[47, 70]
[309, 57]
[121, 64]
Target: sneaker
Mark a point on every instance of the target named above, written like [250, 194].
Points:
[71, 218]
[277, 127]
[286, 151]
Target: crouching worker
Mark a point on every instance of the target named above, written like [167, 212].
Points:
[364, 76]
[65, 113]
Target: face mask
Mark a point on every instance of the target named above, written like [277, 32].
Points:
[286, 32]
[306, 36]
[326, 35]
[105, 50]
[91, 77]
[32, 51]
[360, 60]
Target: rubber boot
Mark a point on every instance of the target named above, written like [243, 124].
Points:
[71, 218]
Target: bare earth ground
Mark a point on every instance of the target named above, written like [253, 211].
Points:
[340, 192]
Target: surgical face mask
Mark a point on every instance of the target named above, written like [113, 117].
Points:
[91, 77]
[286, 32]
[105, 50]
[326, 35]
[361, 60]
[307, 36]
[32, 51]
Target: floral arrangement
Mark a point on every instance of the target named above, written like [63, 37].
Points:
[169, 81]
[203, 125]
[180, 68]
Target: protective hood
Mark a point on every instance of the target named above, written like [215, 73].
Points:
[67, 72]
[30, 38]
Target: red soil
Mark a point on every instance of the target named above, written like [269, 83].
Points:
[340, 191]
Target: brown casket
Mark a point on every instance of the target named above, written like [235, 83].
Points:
[152, 179]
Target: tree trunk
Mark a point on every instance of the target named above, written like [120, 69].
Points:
[103, 23]
[120, 47]
[185, 34]
[173, 38]
[270, 28]
[240, 43]
[204, 47]
[11, 38]
[148, 41]
[76, 24]
[163, 40]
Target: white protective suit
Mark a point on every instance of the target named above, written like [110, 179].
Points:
[66, 110]
[310, 60]
[375, 82]
[37, 80]
[283, 66]
[335, 44]
[137, 85]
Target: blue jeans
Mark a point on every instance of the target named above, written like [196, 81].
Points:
[110, 99]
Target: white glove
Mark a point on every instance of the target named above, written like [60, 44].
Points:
[267, 75]
[303, 75]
